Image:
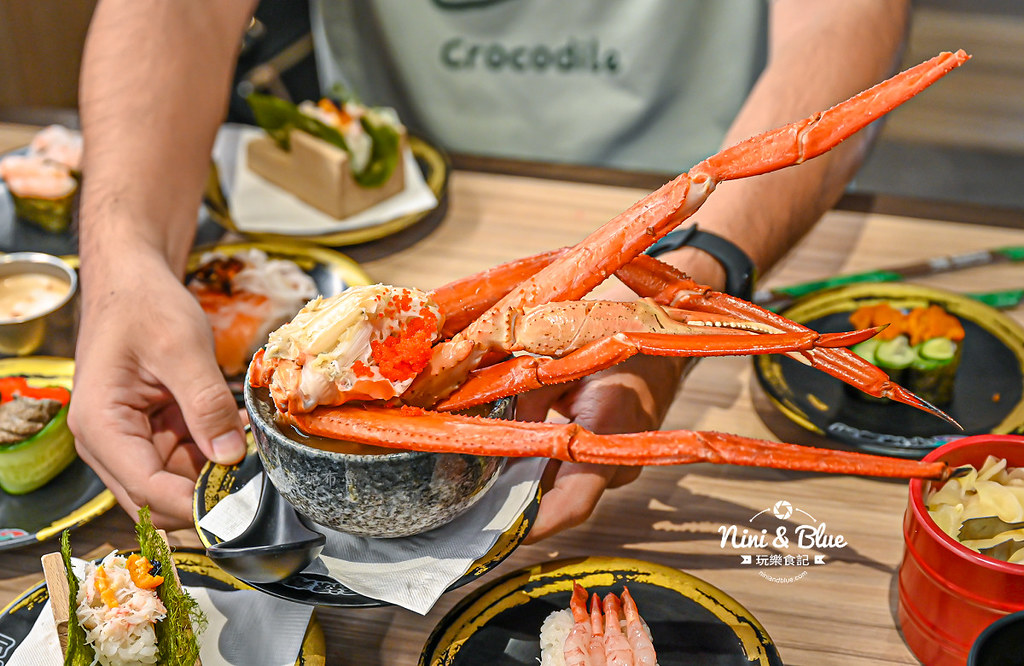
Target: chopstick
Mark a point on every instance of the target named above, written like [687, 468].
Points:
[781, 297]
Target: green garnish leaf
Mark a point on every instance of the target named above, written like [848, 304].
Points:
[385, 153]
[278, 117]
[175, 634]
[79, 653]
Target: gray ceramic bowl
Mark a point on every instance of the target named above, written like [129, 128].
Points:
[22, 335]
[381, 495]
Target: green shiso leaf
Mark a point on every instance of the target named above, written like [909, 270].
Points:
[79, 653]
[175, 634]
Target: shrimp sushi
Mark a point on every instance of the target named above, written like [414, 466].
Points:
[610, 633]
[246, 296]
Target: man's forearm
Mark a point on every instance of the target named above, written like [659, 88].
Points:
[821, 53]
[154, 88]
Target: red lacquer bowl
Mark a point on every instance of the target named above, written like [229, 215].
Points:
[948, 593]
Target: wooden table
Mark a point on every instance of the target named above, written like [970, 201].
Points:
[840, 613]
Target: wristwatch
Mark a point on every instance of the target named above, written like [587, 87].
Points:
[740, 271]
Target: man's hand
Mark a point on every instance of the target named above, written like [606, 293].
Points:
[150, 405]
[631, 397]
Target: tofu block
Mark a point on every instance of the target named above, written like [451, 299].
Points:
[319, 174]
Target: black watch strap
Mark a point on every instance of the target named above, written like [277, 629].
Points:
[740, 271]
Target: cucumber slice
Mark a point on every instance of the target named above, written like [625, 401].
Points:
[895, 354]
[937, 349]
[29, 465]
[867, 349]
[932, 376]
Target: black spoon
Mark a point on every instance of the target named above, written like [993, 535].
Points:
[277, 543]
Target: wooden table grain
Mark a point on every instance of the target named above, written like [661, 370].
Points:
[841, 612]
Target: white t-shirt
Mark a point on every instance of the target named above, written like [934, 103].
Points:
[636, 84]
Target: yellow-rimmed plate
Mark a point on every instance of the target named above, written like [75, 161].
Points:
[431, 160]
[73, 497]
[195, 570]
[988, 395]
[332, 271]
[692, 622]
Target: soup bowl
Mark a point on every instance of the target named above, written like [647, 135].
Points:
[369, 491]
[948, 593]
[34, 289]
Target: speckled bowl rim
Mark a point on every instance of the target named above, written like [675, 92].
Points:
[256, 420]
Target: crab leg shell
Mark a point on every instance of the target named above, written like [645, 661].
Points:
[671, 287]
[414, 429]
[800, 141]
[524, 373]
[587, 264]
[467, 298]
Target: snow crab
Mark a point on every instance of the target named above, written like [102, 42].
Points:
[388, 366]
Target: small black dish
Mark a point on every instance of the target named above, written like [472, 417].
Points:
[1001, 644]
[277, 544]
[989, 391]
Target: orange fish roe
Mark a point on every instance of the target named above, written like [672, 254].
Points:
[919, 324]
[401, 356]
[360, 369]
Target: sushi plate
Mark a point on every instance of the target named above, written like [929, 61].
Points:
[308, 224]
[691, 621]
[219, 481]
[18, 235]
[332, 271]
[74, 497]
[195, 570]
[988, 394]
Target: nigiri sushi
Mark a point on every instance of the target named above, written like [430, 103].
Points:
[610, 632]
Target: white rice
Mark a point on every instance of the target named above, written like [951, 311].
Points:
[555, 630]
[553, 633]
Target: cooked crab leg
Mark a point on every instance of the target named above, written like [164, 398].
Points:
[524, 373]
[587, 264]
[669, 286]
[417, 429]
[465, 299]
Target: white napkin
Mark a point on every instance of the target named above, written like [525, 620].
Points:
[411, 572]
[257, 205]
[246, 628]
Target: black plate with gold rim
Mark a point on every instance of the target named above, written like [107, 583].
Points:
[988, 395]
[73, 497]
[218, 481]
[195, 570]
[431, 160]
[691, 621]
